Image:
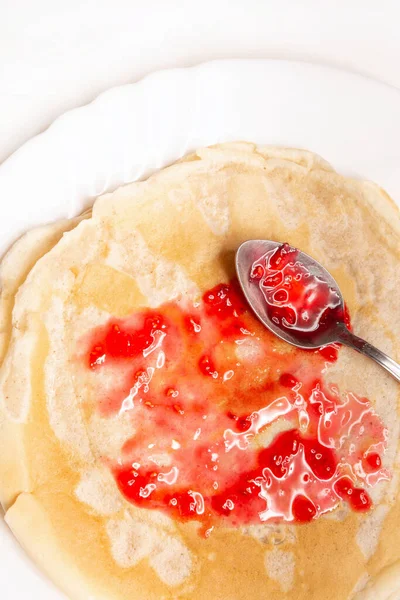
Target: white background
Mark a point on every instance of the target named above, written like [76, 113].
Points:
[55, 55]
[58, 54]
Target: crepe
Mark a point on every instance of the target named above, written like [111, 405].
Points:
[166, 239]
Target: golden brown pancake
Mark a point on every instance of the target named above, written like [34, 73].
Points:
[155, 246]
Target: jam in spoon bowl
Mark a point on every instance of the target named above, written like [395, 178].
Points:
[297, 299]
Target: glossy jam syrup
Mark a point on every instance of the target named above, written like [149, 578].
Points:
[295, 298]
[229, 424]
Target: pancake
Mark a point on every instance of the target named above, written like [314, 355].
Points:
[78, 403]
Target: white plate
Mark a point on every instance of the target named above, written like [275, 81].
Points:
[130, 131]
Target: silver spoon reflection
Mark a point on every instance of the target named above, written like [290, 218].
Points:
[264, 284]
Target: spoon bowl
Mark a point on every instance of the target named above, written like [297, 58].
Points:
[247, 254]
[252, 251]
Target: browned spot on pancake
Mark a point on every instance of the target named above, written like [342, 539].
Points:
[120, 583]
[347, 287]
[339, 561]
[389, 543]
[255, 221]
[194, 249]
[43, 450]
[108, 289]
[232, 567]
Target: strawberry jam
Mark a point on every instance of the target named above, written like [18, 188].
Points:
[230, 425]
[295, 298]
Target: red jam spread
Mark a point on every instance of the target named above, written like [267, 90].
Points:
[295, 298]
[229, 424]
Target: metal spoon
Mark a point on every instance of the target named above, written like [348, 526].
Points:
[251, 251]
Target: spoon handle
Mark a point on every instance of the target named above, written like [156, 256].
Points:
[348, 338]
